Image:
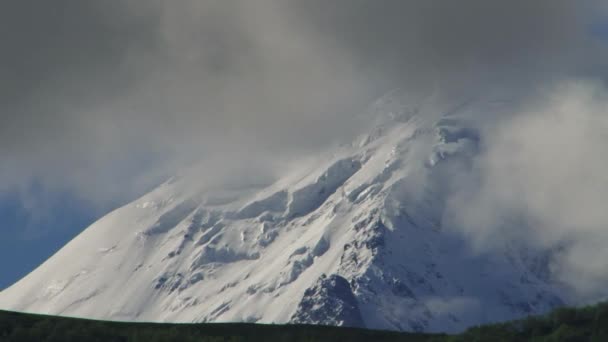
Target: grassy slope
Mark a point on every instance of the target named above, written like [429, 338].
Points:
[586, 324]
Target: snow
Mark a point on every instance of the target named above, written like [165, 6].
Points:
[361, 229]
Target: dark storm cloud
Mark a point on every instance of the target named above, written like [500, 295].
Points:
[57, 61]
[94, 92]
[57, 56]
[408, 40]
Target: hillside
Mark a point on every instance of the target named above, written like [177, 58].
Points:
[17, 327]
[586, 324]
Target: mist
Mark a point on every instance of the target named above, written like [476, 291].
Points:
[541, 180]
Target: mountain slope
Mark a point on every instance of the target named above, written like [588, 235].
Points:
[357, 239]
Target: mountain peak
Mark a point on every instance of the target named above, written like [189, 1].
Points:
[354, 239]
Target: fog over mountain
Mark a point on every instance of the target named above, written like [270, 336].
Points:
[103, 100]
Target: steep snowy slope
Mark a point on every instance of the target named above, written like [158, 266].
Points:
[356, 239]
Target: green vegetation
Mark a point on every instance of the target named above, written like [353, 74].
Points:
[565, 324]
[39, 328]
[586, 324]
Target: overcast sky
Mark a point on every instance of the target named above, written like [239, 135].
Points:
[100, 100]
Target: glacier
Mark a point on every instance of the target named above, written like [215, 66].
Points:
[356, 238]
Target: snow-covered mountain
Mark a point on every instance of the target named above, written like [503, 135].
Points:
[357, 239]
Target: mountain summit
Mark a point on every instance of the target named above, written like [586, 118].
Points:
[358, 238]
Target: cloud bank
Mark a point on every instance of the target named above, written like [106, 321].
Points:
[96, 92]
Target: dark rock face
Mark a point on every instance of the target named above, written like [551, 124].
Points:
[329, 302]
